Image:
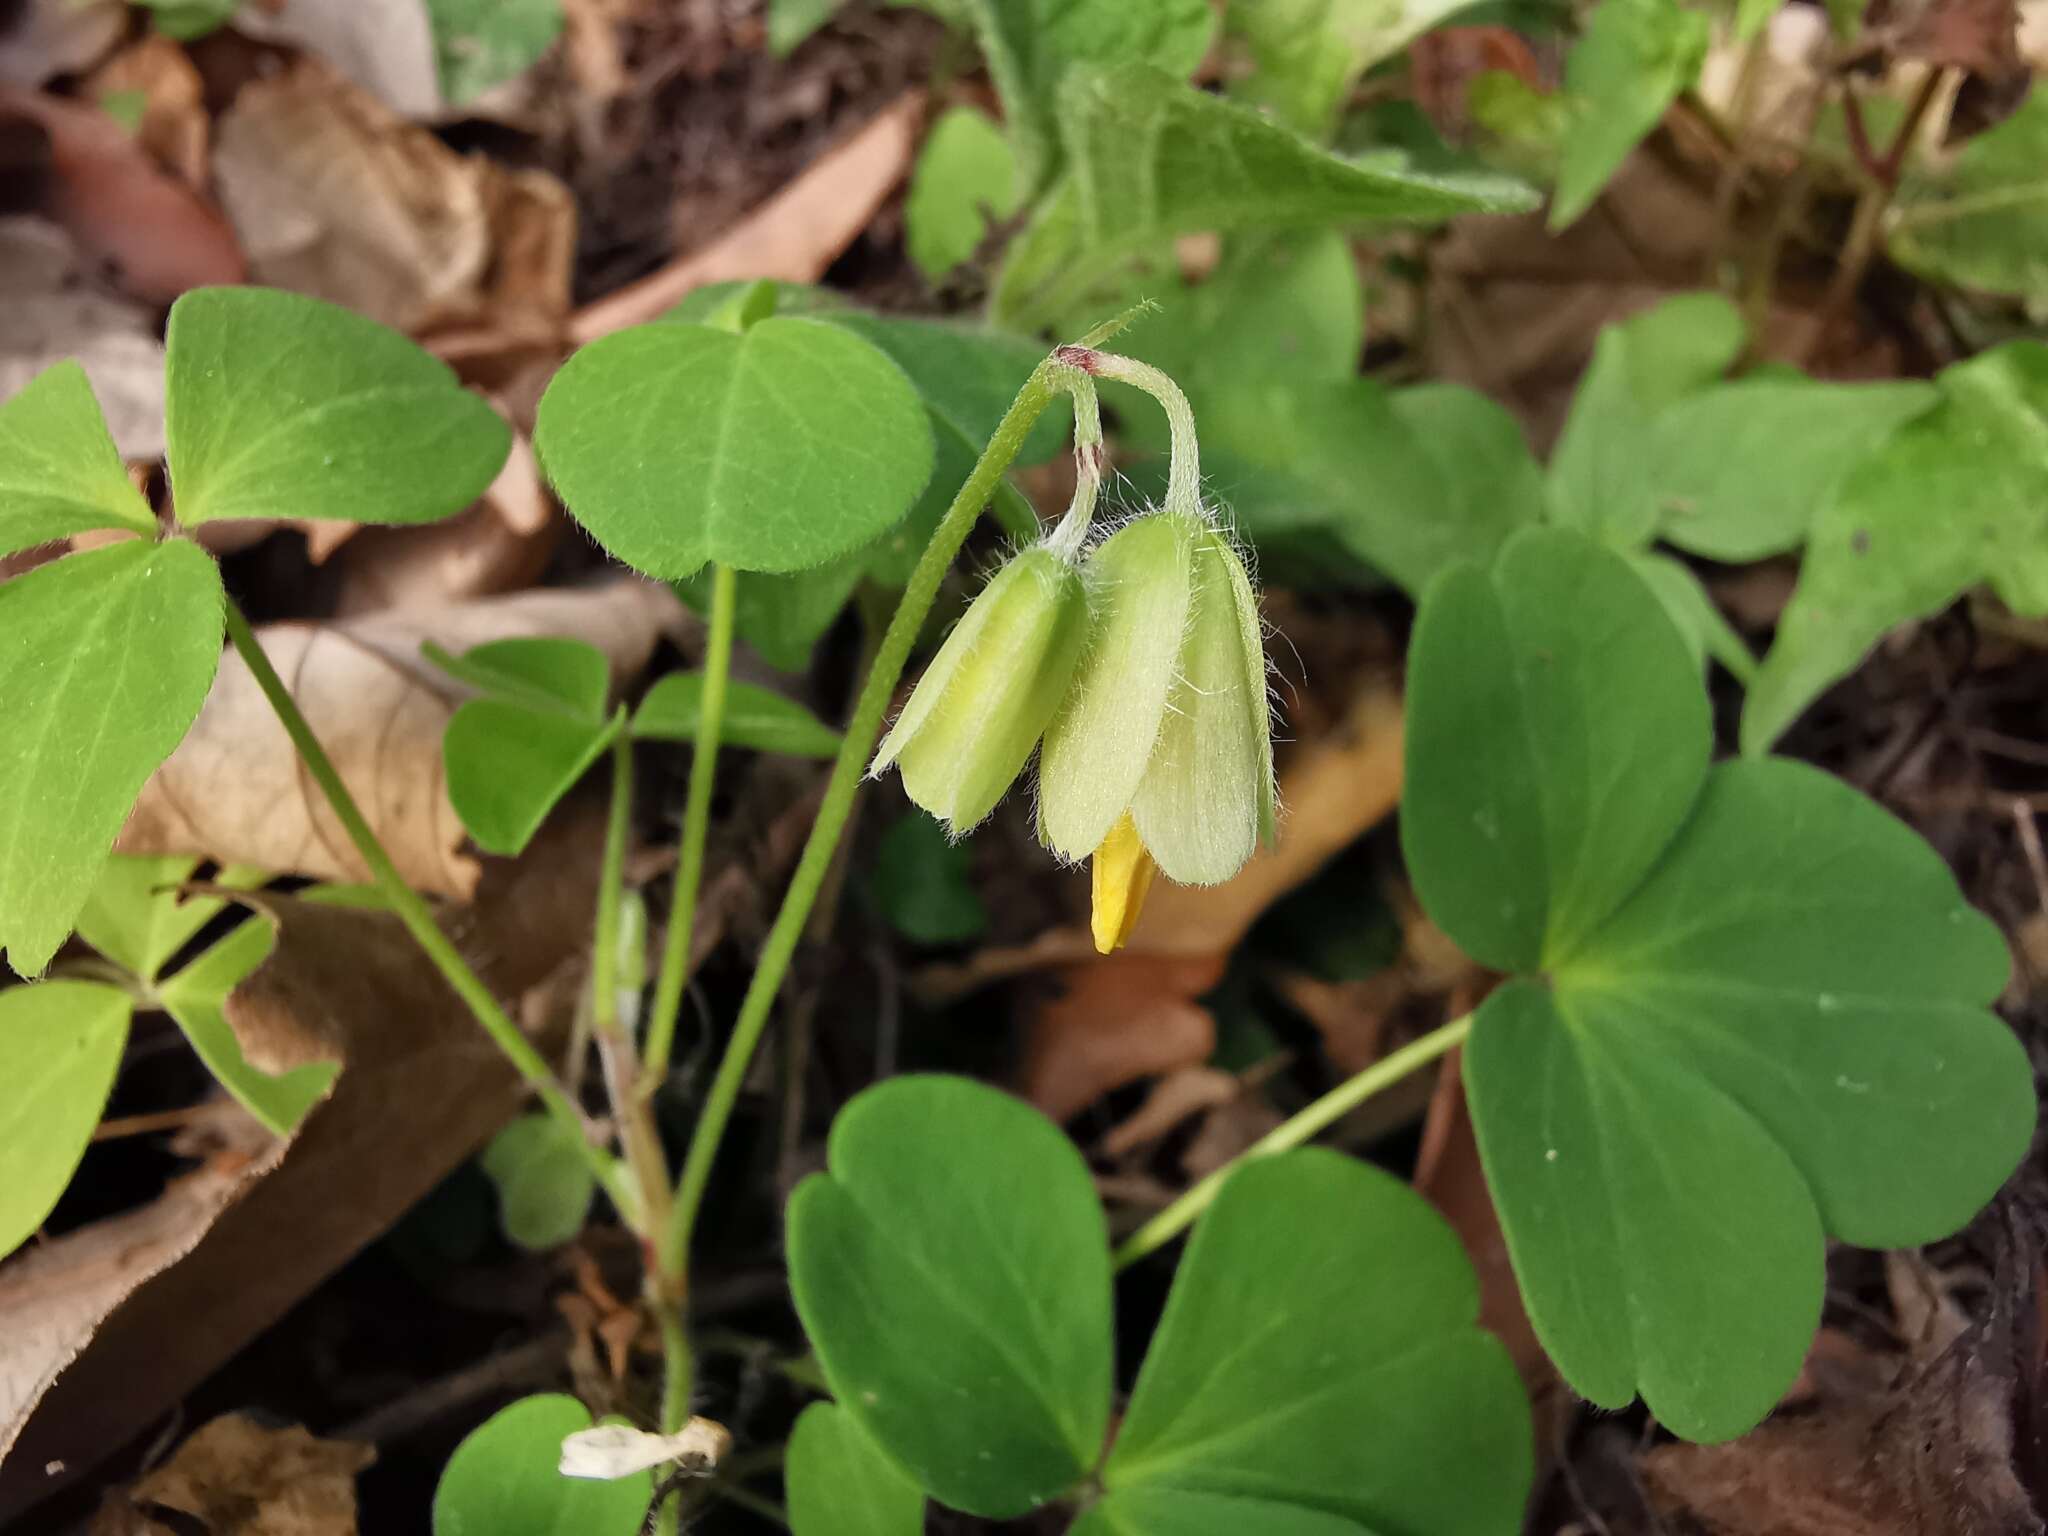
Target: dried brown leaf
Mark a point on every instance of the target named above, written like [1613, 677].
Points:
[239, 1478]
[103, 1328]
[235, 790]
[1133, 1016]
[794, 236]
[175, 128]
[48, 38]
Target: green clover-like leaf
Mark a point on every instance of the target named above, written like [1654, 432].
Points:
[279, 405]
[502, 1481]
[840, 1483]
[59, 470]
[60, 1043]
[755, 718]
[775, 449]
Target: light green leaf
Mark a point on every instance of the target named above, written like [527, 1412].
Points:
[1635, 58]
[508, 765]
[1783, 1031]
[197, 999]
[479, 44]
[1033, 45]
[1602, 480]
[1981, 221]
[1557, 734]
[502, 1481]
[1707, 632]
[60, 1043]
[543, 672]
[190, 19]
[278, 405]
[1358, 1386]
[1152, 158]
[920, 883]
[754, 717]
[772, 450]
[1308, 54]
[790, 22]
[839, 1483]
[1146, 1511]
[952, 1273]
[1742, 470]
[545, 1185]
[1954, 497]
[1515, 125]
[110, 656]
[966, 179]
[59, 470]
[136, 917]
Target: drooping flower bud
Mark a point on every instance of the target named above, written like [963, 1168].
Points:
[984, 701]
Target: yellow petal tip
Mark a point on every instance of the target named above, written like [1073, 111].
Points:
[1122, 872]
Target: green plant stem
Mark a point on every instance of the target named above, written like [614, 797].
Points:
[1302, 1127]
[816, 860]
[682, 917]
[412, 909]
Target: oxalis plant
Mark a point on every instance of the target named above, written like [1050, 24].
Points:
[1741, 1009]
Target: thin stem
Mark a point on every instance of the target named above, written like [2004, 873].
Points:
[1184, 468]
[1049, 377]
[413, 911]
[682, 917]
[1310, 1122]
[638, 1135]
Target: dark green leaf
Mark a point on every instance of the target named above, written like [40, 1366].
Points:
[544, 1184]
[966, 179]
[111, 655]
[1152, 158]
[508, 765]
[920, 883]
[1953, 497]
[1707, 633]
[1558, 732]
[197, 999]
[1783, 1031]
[1355, 1384]
[60, 1043]
[502, 1481]
[952, 1273]
[542, 672]
[1742, 470]
[774, 450]
[754, 717]
[839, 1483]
[1981, 220]
[278, 405]
[1635, 58]
[60, 473]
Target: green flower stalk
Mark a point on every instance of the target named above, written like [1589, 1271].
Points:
[1162, 752]
[978, 712]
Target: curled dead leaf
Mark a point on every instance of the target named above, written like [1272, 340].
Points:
[238, 1478]
[103, 1328]
[236, 792]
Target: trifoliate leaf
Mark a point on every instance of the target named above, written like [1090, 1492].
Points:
[502, 1481]
[59, 470]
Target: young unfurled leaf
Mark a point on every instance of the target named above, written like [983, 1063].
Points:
[502, 1480]
[1564, 733]
[1634, 60]
[1741, 470]
[196, 998]
[1762, 1009]
[1308, 54]
[1150, 158]
[544, 1184]
[278, 405]
[112, 653]
[958, 1225]
[772, 450]
[1356, 1383]
[754, 718]
[60, 1042]
[512, 754]
[1982, 219]
[59, 470]
[840, 1483]
[1956, 496]
[1032, 45]
[966, 179]
[920, 884]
